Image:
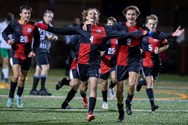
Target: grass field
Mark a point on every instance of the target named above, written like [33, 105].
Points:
[171, 94]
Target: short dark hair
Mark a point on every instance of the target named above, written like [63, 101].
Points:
[132, 7]
[111, 18]
[25, 7]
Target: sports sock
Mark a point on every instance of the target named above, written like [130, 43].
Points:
[92, 102]
[129, 98]
[104, 96]
[13, 86]
[120, 107]
[70, 95]
[43, 81]
[83, 94]
[149, 92]
[112, 85]
[35, 82]
[20, 91]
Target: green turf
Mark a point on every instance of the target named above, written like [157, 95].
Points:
[169, 93]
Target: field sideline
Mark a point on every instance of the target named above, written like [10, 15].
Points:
[171, 94]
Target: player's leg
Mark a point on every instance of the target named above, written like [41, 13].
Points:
[92, 99]
[113, 82]
[13, 83]
[150, 93]
[71, 93]
[36, 79]
[133, 76]
[120, 97]
[21, 82]
[83, 89]
[43, 77]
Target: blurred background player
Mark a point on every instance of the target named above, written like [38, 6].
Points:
[108, 63]
[42, 56]
[76, 22]
[151, 63]
[23, 46]
[5, 48]
[74, 80]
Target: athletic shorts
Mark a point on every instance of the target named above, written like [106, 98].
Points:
[107, 74]
[42, 56]
[88, 70]
[73, 73]
[122, 72]
[4, 52]
[25, 64]
[148, 71]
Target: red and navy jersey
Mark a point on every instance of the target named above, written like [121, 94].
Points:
[108, 60]
[90, 40]
[128, 49]
[148, 45]
[23, 35]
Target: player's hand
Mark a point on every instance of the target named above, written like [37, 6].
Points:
[144, 32]
[178, 32]
[31, 54]
[41, 26]
[10, 41]
[156, 51]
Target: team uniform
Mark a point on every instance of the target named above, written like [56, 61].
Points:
[23, 42]
[151, 62]
[26, 39]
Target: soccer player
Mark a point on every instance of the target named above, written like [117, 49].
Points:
[129, 56]
[74, 81]
[24, 32]
[89, 54]
[43, 56]
[5, 48]
[151, 63]
[107, 66]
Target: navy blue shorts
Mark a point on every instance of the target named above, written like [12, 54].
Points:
[25, 64]
[73, 73]
[42, 56]
[122, 72]
[88, 70]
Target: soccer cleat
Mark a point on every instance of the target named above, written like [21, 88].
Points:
[105, 105]
[121, 116]
[129, 109]
[65, 106]
[112, 93]
[19, 102]
[9, 102]
[60, 84]
[84, 102]
[34, 92]
[154, 107]
[44, 92]
[90, 117]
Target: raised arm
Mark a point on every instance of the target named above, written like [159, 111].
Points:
[61, 31]
[120, 34]
[162, 35]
